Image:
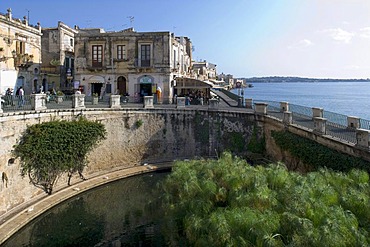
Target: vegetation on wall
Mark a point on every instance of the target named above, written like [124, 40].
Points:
[315, 154]
[256, 144]
[139, 123]
[49, 149]
[201, 128]
[227, 202]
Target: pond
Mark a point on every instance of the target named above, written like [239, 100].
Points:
[127, 212]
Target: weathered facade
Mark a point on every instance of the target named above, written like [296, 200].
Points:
[204, 70]
[57, 57]
[130, 62]
[20, 54]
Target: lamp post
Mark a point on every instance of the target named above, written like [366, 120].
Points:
[4, 58]
[69, 77]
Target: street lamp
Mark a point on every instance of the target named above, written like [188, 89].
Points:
[4, 58]
[69, 77]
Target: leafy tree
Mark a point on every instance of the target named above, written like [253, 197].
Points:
[227, 202]
[49, 149]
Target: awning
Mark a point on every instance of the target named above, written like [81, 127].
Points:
[96, 79]
[191, 83]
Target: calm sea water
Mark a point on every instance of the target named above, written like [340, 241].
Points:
[347, 98]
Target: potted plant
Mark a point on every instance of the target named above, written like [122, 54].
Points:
[95, 99]
[59, 97]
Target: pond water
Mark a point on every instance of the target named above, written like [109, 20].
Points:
[127, 212]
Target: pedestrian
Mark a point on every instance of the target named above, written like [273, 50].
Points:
[20, 97]
[8, 96]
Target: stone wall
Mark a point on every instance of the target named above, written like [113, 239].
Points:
[134, 137]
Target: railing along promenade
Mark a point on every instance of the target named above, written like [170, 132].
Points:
[349, 129]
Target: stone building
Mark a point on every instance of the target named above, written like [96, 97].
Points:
[57, 66]
[205, 70]
[130, 62]
[20, 54]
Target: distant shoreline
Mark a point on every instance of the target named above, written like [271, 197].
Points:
[298, 79]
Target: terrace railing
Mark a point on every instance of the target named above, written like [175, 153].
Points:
[337, 125]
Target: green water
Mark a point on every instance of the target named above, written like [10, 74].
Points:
[123, 213]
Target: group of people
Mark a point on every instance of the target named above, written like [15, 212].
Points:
[194, 97]
[19, 94]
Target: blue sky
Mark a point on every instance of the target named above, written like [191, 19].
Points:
[246, 38]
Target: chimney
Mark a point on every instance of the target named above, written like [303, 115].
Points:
[25, 21]
[9, 13]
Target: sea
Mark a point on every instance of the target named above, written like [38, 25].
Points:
[342, 97]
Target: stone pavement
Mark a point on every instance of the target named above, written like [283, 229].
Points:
[15, 220]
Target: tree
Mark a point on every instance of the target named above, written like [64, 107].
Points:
[227, 202]
[49, 149]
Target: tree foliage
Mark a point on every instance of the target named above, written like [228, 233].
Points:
[49, 149]
[227, 202]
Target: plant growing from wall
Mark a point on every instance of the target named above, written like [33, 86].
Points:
[139, 123]
[315, 154]
[49, 149]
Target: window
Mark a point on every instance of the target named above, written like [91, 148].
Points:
[97, 56]
[121, 52]
[21, 47]
[145, 56]
[71, 42]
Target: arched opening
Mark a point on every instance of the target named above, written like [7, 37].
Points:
[20, 82]
[35, 85]
[121, 85]
[44, 85]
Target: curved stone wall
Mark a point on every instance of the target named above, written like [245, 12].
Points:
[134, 137]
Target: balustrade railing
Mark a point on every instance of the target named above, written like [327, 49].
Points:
[337, 125]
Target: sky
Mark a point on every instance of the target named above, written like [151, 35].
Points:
[245, 38]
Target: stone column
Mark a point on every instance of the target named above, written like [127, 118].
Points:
[1, 105]
[180, 102]
[148, 102]
[249, 103]
[284, 106]
[213, 104]
[115, 101]
[261, 108]
[319, 125]
[240, 102]
[78, 101]
[287, 118]
[38, 102]
[353, 122]
[317, 112]
[362, 137]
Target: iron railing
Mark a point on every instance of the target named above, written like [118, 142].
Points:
[336, 124]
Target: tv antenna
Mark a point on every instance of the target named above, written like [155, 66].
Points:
[131, 20]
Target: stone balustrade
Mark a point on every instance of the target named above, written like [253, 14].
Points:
[115, 101]
[78, 101]
[180, 102]
[261, 108]
[148, 102]
[320, 123]
[284, 106]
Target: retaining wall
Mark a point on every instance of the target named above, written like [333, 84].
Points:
[163, 135]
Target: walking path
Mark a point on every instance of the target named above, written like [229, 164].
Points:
[13, 221]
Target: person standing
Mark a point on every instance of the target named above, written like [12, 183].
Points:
[20, 97]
